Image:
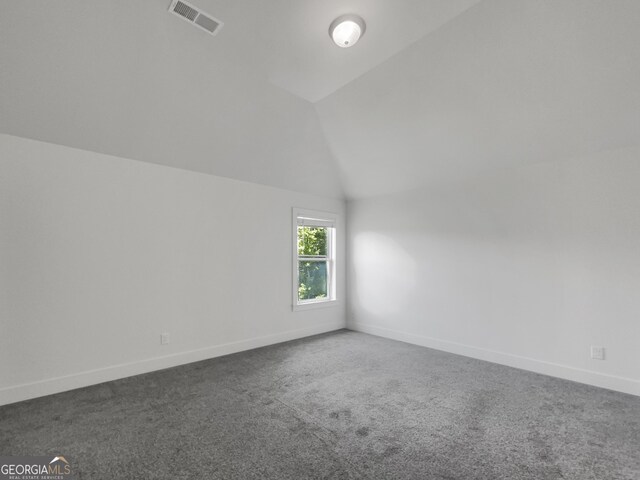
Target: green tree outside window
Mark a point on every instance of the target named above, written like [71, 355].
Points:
[312, 263]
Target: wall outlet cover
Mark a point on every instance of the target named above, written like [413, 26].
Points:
[597, 353]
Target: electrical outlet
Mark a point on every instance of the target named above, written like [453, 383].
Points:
[164, 339]
[597, 353]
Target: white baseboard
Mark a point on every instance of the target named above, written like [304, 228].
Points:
[18, 393]
[620, 384]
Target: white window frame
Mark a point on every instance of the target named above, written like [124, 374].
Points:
[313, 218]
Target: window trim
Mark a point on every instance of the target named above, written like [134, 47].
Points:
[319, 219]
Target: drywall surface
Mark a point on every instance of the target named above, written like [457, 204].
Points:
[505, 84]
[527, 267]
[99, 255]
[132, 80]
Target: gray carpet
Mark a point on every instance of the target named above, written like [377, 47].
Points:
[338, 406]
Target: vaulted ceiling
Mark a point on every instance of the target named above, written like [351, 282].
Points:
[508, 82]
[435, 89]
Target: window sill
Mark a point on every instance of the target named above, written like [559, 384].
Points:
[313, 305]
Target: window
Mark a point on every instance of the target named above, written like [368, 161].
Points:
[314, 270]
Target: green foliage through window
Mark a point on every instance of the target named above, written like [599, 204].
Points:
[312, 263]
[312, 241]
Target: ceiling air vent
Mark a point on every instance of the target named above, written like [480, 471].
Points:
[195, 16]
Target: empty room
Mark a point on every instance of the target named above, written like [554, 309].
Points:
[320, 239]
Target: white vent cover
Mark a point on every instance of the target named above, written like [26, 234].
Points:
[195, 16]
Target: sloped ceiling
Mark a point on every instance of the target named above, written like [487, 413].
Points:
[435, 89]
[302, 59]
[508, 82]
[127, 78]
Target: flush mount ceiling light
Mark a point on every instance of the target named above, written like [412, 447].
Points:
[347, 30]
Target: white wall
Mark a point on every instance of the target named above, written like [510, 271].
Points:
[99, 255]
[526, 266]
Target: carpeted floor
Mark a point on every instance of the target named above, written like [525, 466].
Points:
[343, 405]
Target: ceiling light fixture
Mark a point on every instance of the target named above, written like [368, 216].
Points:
[347, 30]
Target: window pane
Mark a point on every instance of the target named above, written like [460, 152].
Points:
[312, 240]
[312, 280]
